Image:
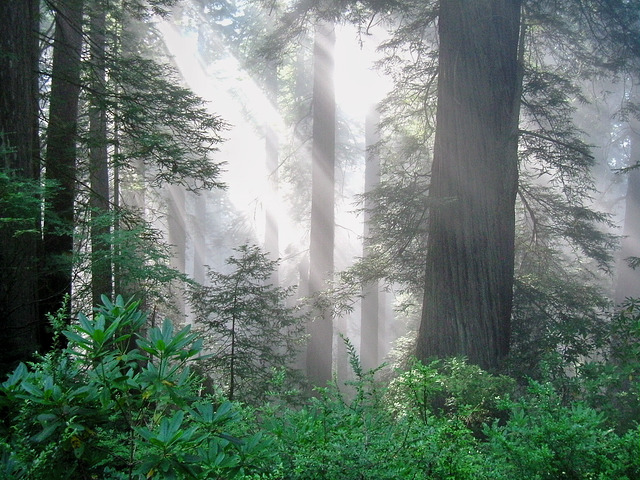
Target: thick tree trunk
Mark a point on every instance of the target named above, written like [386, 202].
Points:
[61, 151]
[319, 349]
[21, 331]
[101, 266]
[470, 249]
[370, 314]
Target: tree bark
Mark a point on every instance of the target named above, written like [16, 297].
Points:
[370, 314]
[320, 348]
[60, 160]
[177, 236]
[21, 329]
[101, 265]
[272, 233]
[628, 281]
[470, 248]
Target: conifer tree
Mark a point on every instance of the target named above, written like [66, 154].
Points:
[470, 249]
[249, 330]
[319, 348]
[101, 263]
[580, 35]
[21, 328]
[60, 158]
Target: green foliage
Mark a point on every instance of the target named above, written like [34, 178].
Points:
[164, 124]
[116, 404]
[450, 387]
[135, 251]
[419, 427]
[20, 203]
[543, 439]
[612, 384]
[249, 329]
[559, 318]
[359, 437]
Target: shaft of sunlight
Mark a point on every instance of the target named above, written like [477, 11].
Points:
[234, 96]
[359, 87]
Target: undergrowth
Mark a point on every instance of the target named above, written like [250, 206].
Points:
[120, 402]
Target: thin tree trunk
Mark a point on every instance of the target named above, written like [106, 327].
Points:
[272, 234]
[370, 314]
[178, 236]
[200, 257]
[60, 160]
[470, 248]
[101, 266]
[21, 329]
[628, 283]
[319, 349]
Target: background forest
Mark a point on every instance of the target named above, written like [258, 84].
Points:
[370, 239]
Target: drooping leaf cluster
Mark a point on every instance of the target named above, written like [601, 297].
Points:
[154, 118]
[118, 403]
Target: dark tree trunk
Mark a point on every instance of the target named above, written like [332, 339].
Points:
[320, 345]
[21, 331]
[101, 266]
[60, 160]
[470, 249]
[370, 315]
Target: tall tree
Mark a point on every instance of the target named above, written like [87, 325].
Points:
[101, 266]
[475, 170]
[177, 235]
[272, 233]
[370, 314]
[161, 134]
[60, 158]
[21, 330]
[628, 281]
[470, 248]
[319, 349]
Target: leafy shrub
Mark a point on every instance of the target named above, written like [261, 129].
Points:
[356, 436]
[544, 439]
[115, 404]
[450, 387]
[612, 383]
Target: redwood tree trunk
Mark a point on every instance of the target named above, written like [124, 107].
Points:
[60, 160]
[320, 349]
[272, 233]
[370, 314]
[101, 266]
[470, 249]
[628, 282]
[177, 236]
[21, 331]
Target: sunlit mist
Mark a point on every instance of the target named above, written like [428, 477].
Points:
[232, 94]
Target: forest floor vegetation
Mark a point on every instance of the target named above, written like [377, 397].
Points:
[123, 401]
